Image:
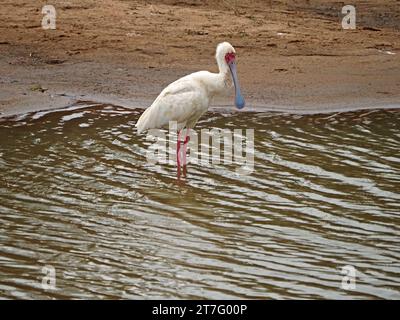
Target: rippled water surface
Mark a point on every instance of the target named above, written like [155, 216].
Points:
[77, 194]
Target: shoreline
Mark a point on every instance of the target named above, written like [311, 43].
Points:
[27, 87]
[62, 103]
[293, 57]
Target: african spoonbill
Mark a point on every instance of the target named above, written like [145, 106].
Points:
[188, 98]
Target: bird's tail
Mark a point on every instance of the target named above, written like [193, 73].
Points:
[142, 123]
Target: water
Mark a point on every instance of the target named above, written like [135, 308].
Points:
[77, 194]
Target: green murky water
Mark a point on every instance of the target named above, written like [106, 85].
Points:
[77, 194]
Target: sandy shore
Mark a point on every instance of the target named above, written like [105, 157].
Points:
[293, 55]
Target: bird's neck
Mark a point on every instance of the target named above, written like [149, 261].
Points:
[216, 83]
[224, 74]
[222, 66]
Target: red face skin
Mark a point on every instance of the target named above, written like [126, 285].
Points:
[230, 57]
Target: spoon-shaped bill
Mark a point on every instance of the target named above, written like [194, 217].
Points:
[239, 100]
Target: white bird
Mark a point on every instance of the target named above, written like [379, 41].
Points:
[187, 99]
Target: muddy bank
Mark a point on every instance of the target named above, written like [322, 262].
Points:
[293, 56]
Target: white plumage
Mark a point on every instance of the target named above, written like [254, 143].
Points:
[188, 98]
